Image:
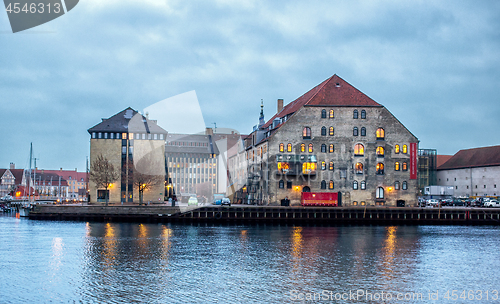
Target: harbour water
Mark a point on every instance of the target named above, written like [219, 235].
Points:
[90, 262]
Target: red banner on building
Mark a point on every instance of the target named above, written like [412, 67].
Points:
[320, 199]
[413, 161]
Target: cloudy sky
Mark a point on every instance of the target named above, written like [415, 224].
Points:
[434, 64]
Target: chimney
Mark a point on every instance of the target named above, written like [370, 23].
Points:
[12, 166]
[60, 170]
[209, 131]
[280, 105]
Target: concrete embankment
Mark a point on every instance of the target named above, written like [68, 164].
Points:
[334, 215]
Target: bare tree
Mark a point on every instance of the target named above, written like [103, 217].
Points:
[146, 174]
[103, 173]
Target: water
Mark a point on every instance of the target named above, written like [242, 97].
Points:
[66, 262]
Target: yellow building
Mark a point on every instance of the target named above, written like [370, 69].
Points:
[134, 145]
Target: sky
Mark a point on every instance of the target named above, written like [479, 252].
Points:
[434, 64]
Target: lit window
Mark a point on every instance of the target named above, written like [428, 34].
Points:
[306, 133]
[380, 151]
[405, 185]
[331, 166]
[323, 131]
[323, 184]
[363, 185]
[380, 192]
[310, 148]
[331, 131]
[331, 184]
[323, 148]
[331, 114]
[332, 148]
[355, 114]
[396, 185]
[380, 168]
[302, 148]
[355, 131]
[354, 203]
[380, 133]
[358, 168]
[289, 147]
[282, 148]
[396, 149]
[363, 114]
[323, 165]
[396, 166]
[355, 185]
[405, 166]
[323, 113]
[405, 149]
[363, 131]
[359, 150]
[281, 184]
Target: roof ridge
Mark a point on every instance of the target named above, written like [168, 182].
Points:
[319, 89]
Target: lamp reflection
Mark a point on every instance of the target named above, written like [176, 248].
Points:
[389, 251]
[109, 245]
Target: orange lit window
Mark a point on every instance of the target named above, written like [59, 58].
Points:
[282, 147]
[405, 166]
[332, 148]
[405, 149]
[310, 148]
[359, 150]
[331, 185]
[289, 147]
[331, 114]
[358, 168]
[302, 148]
[380, 151]
[306, 133]
[331, 166]
[331, 131]
[396, 149]
[380, 133]
[396, 166]
[380, 168]
[323, 165]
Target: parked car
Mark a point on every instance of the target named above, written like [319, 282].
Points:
[433, 202]
[492, 203]
[193, 201]
[6, 198]
[458, 202]
[218, 201]
[226, 202]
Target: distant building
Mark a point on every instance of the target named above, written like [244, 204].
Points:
[129, 140]
[332, 139]
[427, 169]
[72, 181]
[472, 172]
[10, 180]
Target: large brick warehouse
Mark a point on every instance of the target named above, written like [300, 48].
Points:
[332, 142]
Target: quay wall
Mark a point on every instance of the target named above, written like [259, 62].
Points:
[332, 215]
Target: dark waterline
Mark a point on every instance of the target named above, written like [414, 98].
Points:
[62, 262]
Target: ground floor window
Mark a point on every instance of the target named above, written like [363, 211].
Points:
[102, 194]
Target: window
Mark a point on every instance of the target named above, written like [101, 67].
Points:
[331, 114]
[405, 185]
[331, 131]
[323, 184]
[363, 114]
[331, 167]
[332, 148]
[363, 131]
[331, 185]
[323, 113]
[323, 165]
[323, 131]
[396, 185]
[355, 114]
[380, 133]
[282, 148]
[396, 166]
[289, 147]
[161, 136]
[111, 135]
[302, 148]
[306, 133]
[310, 148]
[105, 135]
[282, 184]
[355, 185]
[323, 148]
[355, 131]
[405, 166]
[363, 185]
[358, 168]
[396, 149]
[289, 184]
[380, 151]
[359, 150]
[155, 136]
[354, 203]
[93, 134]
[380, 192]
[405, 149]
[99, 135]
[380, 169]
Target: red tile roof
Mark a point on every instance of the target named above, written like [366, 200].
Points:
[477, 157]
[66, 174]
[441, 159]
[334, 91]
[18, 175]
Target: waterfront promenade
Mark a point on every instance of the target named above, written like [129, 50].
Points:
[324, 215]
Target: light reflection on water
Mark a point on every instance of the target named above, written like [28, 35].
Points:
[42, 261]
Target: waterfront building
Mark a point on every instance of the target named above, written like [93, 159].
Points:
[333, 139]
[75, 183]
[11, 179]
[472, 172]
[129, 141]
